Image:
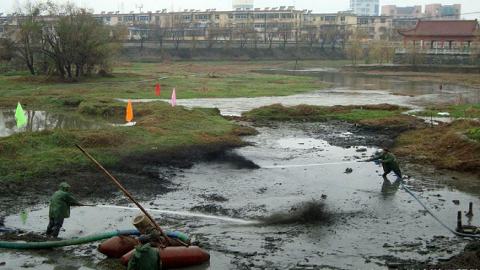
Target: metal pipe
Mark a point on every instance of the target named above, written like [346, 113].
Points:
[126, 193]
[470, 210]
[459, 222]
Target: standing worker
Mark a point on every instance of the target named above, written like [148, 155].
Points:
[389, 163]
[60, 209]
[145, 256]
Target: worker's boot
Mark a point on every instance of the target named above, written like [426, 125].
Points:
[55, 231]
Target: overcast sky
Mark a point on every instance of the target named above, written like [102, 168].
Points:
[318, 6]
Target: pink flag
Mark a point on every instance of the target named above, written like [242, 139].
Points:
[174, 98]
[157, 90]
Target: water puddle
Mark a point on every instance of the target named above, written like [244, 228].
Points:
[38, 120]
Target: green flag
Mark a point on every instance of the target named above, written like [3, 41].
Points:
[20, 116]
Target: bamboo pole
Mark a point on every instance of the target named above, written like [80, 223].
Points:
[126, 193]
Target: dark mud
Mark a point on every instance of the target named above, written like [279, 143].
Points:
[303, 213]
[310, 229]
[339, 133]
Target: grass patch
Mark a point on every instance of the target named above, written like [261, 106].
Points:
[33, 155]
[447, 146]
[455, 111]
[353, 113]
[138, 81]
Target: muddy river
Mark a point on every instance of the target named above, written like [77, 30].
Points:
[299, 210]
[310, 205]
[345, 89]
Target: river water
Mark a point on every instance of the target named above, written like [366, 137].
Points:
[302, 209]
[38, 120]
[345, 89]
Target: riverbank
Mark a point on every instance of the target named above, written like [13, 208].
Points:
[139, 80]
[443, 75]
[232, 52]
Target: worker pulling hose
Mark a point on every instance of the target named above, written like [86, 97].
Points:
[396, 170]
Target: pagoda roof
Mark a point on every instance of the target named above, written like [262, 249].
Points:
[443, 28]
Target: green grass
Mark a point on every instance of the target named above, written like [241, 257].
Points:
[321, 113]
[455, 111]
[33, 155]
[474, 134]
[199, 80]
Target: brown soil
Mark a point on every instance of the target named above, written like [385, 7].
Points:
[445, 146]
[393, 126]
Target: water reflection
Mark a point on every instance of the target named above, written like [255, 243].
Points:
[42, 120]
[442, 93]
[389, 189]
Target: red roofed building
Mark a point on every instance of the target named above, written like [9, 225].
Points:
[442, 31]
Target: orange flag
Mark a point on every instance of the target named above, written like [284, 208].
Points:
[129, 111]
[157, 90]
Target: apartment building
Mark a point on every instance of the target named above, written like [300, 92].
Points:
[377, 27]
[432, 12]
[402, 12]
[442, 12]
[365, 7]
[280, 21]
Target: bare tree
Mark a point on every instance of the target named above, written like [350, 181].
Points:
[270, 35]
[312, 35]
[344, 36]
[177, 35]
[255, 37]
[29, 32]
[7, 50]
[356, 44]
[213, 35]
[331, 34]
[76, 42]
[228, 36]
[144, 31]
[243, 35]
[159, 32]
[284, 34]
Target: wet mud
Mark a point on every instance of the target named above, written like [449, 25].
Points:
[294, 198]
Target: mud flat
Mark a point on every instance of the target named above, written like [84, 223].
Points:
[300, 210]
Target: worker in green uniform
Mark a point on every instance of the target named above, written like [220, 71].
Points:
[389, 163]
[145, 256]
[60, 209]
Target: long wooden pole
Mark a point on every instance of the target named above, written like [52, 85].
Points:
[126, 193]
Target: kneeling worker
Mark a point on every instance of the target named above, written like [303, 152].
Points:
[145, 256]
[60, 209]
[389, 163]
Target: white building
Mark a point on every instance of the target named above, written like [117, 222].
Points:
[365, 7]
[243, 4]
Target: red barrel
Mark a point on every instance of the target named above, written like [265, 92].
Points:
[177, 257]
[117, 246]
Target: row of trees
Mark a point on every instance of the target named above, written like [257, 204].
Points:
[327, 34]
[61, 38]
